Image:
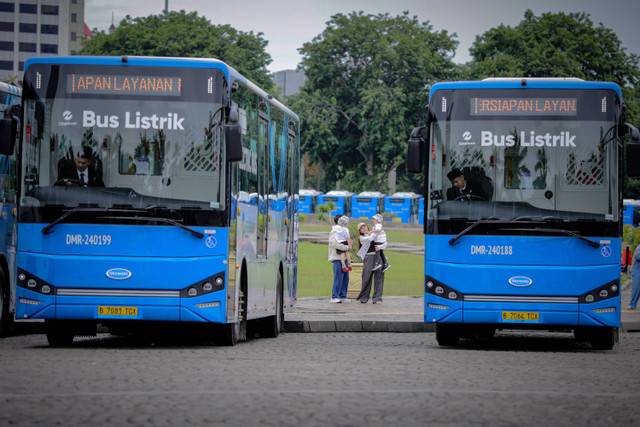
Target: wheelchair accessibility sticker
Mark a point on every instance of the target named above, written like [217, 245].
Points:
[211, 242]
[606, 251]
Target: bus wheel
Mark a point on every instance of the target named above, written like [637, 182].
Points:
[232, 333]
[603, 338]
[273, 325]
[6, 317]
[59, 334]
[447, 334]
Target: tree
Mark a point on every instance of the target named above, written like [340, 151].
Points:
[560, 45]
[181, 34]
[367, 87]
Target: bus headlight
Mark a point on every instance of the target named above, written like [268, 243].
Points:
[439, 290]
[603, 292]
[435, 287]
[589, 298]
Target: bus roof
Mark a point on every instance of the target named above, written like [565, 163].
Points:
[7, 88]
[155, 61]
[527, 83]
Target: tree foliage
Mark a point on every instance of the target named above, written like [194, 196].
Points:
[367, 86]
[182, 34]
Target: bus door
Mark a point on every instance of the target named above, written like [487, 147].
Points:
[292, 190]
[263, 187]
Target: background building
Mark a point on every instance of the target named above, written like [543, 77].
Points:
[288, 82]
[37, 28]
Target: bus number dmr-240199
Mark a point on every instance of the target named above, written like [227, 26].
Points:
[89, 239]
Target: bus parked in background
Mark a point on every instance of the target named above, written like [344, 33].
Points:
[341, 200]
[154, 190]
[308, 201]
[404, 207]
[10, 97]
[631, 212]
[367, 204]
[539, 247]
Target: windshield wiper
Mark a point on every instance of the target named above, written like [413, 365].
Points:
[590, 242]
[454, 239]
[47, 229]
[196, 233]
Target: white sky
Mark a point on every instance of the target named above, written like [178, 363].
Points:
[287, 24]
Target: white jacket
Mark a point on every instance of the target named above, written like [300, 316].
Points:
[366, 241]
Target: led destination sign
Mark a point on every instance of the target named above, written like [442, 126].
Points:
[105, 84]
[524, 106]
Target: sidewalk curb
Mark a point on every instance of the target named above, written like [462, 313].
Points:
[310, 326]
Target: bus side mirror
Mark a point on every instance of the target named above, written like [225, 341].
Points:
[414, 150]
[633, 150]
[233, 137]
[8, 133]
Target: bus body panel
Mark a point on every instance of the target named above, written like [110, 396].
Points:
[366, 206]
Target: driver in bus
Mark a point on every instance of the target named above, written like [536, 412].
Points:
[80, 172]
[463, 189]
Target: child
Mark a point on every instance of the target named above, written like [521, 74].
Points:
[380, 239]
[342, 236]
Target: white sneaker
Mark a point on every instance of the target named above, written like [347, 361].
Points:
[335, 300]
[386, 267]
[345, 300]
[376, 267]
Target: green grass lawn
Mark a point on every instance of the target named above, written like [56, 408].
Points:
[315, 273]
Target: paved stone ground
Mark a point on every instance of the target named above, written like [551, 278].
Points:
[336, 379]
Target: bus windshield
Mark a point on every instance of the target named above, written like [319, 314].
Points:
[490, 162]
[123, 139]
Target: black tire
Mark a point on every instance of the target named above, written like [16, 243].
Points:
[6, 316]
[604, 338]
[232, 333]
[59, 333]
[272, 325]
[447, 334]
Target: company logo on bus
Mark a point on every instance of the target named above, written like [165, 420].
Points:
[520, 281]
[118, 274]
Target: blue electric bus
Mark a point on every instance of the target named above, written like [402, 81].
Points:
[404, 206]
[536, 244]
[308, 200]
[10, 97]
[631, 212]
[367, 204]
[340, 198]
[187, 214]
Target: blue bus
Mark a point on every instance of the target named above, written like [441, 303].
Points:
[187, 214]
[340, 198]
[404, 207]
[631, 212]
[537, 245]
[367, 204]
[421, 211]
[10, 97]
[308, 200]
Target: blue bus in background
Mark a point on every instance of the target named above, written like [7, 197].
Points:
[631, 212]
[542, 250]
[404, 207]
[10, 98]
[188, 210]
[421, 210]
[367, 204]
[308, 201]
[340, 198]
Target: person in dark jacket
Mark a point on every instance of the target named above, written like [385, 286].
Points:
[463, 188]
[80, 172]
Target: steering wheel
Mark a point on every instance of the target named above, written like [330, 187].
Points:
[470, 197]
[72, 181]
